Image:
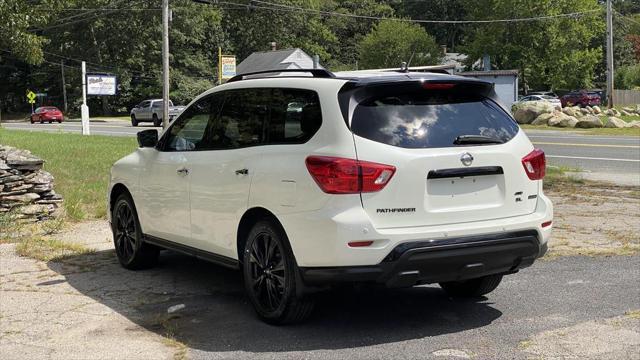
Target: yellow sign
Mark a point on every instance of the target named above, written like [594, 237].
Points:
[31, 96]
[226, 66]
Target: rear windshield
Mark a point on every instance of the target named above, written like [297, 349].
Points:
[430, 119]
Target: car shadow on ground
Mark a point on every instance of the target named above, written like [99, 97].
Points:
[218, 317]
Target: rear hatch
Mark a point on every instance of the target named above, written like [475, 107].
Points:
[458, 155]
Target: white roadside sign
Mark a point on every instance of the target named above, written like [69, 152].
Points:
[101, 84]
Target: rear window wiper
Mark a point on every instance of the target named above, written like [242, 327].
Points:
[476, 139]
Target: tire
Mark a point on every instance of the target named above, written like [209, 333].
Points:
[472, 288]
[131, 251]
[269, 270]
[41, 121]
[50, 121]
[134, 121]
[156, 121]
[59, 121]
[32, 122]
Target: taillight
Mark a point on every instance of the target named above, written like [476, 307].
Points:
[535, 164]
[348, 176]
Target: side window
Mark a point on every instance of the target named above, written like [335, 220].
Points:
[295, 116]
[242, 119]
[144, 104]
[188, 131]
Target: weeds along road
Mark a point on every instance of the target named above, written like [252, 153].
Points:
[602, 157]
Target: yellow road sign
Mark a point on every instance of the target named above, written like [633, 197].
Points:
[31, 96]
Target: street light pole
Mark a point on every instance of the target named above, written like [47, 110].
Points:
[610, 99]
[165, 64]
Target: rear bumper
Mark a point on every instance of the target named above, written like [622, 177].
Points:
[432, 261]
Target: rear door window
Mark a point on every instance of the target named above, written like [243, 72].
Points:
[295, 116]
[242, 120]
[430, 119]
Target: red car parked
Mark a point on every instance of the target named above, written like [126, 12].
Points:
[581, 98]
[47, 113]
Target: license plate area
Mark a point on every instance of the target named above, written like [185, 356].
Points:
[464, 193]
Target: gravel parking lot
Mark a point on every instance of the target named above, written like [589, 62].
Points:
[565, 306]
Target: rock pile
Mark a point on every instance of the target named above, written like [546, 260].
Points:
[25, 189]
[544, 113]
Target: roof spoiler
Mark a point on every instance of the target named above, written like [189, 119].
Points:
[317, 73]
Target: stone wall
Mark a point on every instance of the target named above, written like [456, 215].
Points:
[25, 189]
[544, 113]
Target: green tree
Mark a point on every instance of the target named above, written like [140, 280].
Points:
[351, 30]
[392, 42]
[628, 77]
[554, 53]
[451, 35]
[252, 29]
[19, 23]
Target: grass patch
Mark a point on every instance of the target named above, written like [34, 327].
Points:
[634, 314]
[627, 118]
[49, 249]
[80, 165]
[167, 323]
[600, 131]
[557, 175]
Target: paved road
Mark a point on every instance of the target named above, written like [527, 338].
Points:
[610, 154]
[217, 321]
[602, 157]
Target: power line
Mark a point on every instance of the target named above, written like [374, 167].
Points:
[289, 8]
[625, 17]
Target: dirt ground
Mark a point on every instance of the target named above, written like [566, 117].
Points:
[87, 307]
[597, 219]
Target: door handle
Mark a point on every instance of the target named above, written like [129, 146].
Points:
[183, 171]
[242, 172]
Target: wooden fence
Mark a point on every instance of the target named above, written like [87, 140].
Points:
[626, 97]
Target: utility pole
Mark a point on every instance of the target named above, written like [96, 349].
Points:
[165, 64]
[64, 86]
[84, 109]
[609, 55]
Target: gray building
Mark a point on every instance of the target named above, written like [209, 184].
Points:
[506, 83]
[276, 60]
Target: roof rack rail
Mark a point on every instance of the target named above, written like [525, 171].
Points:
[319, 73]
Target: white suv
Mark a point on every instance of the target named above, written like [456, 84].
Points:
[305, 182]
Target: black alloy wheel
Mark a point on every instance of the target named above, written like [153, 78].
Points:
[124, 235]
[131, 251]
[270, 276]
[267, 271]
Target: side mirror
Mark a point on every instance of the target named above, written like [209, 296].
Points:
[147, 138]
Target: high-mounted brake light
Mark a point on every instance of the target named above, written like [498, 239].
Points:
[535, 164]
[337, 175]
[437, 86]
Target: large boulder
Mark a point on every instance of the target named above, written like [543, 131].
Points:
[570, 111]
[562, 120]
[590, 121]
[529, 111]
[597, 110]
[614, 122]
[628, 109]
[543, 119]
[634, 124]
[612, 112]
